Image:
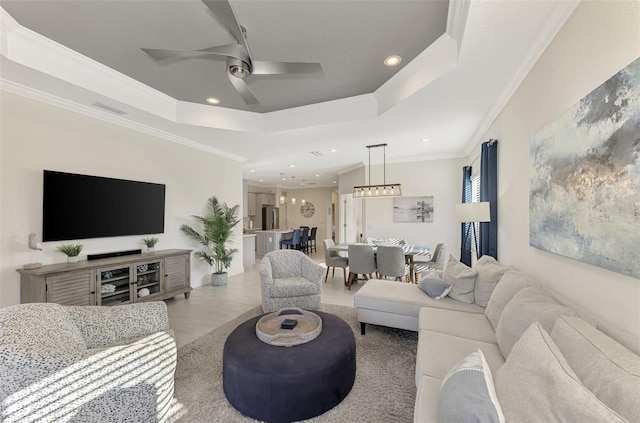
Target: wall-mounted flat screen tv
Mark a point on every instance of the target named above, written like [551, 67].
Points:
[82, 206]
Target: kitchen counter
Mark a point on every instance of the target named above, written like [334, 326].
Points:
[248, 251]
[269, 240]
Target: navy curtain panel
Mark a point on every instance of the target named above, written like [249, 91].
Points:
[489, 192]
[465, 242]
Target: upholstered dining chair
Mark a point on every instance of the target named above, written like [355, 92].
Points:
[332, 259]
[390, 262]
[437, 262]
[293, 242]
[362, 260]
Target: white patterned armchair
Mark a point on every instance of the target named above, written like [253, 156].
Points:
[289, 278]
[86, 364]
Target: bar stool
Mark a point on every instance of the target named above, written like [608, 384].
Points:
[312, 239]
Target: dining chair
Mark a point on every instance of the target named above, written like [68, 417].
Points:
[293, 242]
[437, 262]
[333, 259]
[390, 262]
[361, 261]
[312, 239]
[304, 239]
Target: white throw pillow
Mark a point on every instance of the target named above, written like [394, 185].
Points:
[510, 284]
[527, 306]
[536, 384]
[489, 274]
[462, 279]
[604, 366]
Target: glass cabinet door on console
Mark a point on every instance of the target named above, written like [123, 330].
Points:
[147, 276]
[115, 286]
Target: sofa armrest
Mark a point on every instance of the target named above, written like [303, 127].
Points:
[127, 382]
[312, 271]
[105, 326]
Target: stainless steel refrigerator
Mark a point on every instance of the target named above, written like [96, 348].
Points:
[270, 218]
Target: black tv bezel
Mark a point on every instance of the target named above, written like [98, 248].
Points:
[49, 235]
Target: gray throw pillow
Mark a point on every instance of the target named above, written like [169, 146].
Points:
[489, 273]
[468, 394]
[436, 288]
[536, 384]
[462, 279]
[527, 306]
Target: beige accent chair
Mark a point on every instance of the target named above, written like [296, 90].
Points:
[288, 278]
[86, 363]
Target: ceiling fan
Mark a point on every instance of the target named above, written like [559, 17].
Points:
[239, 62]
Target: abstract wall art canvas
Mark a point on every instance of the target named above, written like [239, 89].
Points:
[413, 209]
[585, 178]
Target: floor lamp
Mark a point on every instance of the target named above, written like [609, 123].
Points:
[472, 213]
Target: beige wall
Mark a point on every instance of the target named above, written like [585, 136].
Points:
[441, 179]
[599, 39]
[36, 136]
[321, 199]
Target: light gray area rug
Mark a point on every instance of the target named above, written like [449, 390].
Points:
[384, 389]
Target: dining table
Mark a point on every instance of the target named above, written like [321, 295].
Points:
[410, 251]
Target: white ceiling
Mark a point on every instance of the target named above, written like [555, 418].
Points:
[449, 93]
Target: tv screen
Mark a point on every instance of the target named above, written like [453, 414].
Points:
[82, 206]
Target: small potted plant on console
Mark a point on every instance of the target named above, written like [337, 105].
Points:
[72, 251]
[151, 243]
[217, 231]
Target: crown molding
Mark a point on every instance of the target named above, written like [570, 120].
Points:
[457, 20]
[556, 19]
[28, 92]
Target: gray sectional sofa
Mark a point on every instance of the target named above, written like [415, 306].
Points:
[548, 359]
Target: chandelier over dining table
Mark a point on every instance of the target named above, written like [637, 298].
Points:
[381, 190]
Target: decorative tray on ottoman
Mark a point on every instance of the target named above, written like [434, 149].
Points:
[307, 329]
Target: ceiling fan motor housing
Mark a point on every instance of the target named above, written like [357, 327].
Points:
[238, 68]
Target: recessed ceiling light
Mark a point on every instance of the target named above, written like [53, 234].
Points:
[317, 176]
[392, 60]
[252, 170]
[292, 165]
[333, 182]
[284, 179]
[333, 150]
[261, 180]
[213, 100]
[426, 139]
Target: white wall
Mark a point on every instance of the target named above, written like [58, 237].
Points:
[37, 136]
[598, 40]
[441, 179]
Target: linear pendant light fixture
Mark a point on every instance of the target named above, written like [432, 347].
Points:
[378, 191]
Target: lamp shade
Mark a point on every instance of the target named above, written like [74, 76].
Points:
[473, 212]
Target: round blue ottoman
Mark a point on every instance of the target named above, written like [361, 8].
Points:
[286, 384]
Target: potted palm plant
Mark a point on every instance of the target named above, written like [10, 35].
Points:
[72, 251]
[217, 226]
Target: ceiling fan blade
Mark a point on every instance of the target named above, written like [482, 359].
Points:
[243, 89]
[228, 50]
[162, 54]
[277, 68]
[223, 11]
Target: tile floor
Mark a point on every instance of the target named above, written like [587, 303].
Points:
[210, 307]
